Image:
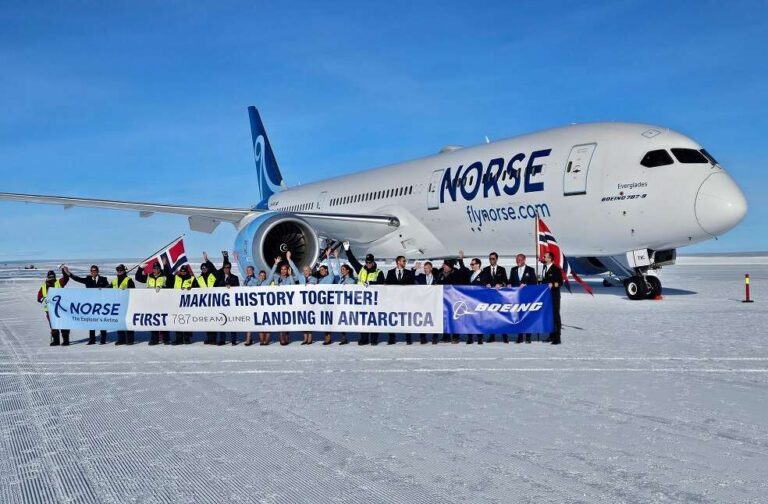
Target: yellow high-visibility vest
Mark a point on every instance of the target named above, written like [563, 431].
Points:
[123, 284]
[183, 283]
[44, 288]
[367, 277]
[156, 283]
[202, 281]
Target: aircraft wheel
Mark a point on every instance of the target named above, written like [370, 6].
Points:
[655, 284]
[635, 288]
[606, 283]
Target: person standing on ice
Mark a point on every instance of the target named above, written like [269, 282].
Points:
[207, 280]
[123, 281]
[346, 277]
[368, 274]
[309, 279]
[253, 280]
[553, 277]
[329, 277]
[42, 297]
[227, 279]
[183, 280]
[92, 281]
[289, 275]
[159, 278]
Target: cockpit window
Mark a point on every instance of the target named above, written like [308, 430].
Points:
[689, 156]
[656, 158]
[709, 156]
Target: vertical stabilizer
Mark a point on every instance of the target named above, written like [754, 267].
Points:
[270, 181]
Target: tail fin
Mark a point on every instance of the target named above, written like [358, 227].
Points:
[270, 179]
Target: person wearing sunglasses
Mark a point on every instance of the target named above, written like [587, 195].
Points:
[92, 281]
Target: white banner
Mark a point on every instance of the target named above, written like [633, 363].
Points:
[352, 308]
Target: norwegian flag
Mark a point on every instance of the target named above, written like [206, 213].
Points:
[547, 243]
[174, 253]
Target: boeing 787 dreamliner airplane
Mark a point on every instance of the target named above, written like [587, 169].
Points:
[619, 197]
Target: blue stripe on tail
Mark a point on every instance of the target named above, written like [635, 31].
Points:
[270, 180]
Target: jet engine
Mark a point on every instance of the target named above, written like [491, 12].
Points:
[272, 234]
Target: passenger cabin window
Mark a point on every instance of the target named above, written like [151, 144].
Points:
[689, 156]
[656, 158]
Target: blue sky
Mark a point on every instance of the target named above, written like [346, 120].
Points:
[147, 101]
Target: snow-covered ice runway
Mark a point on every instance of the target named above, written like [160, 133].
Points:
[653, 401]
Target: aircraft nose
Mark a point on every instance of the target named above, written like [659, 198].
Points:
[720, 204]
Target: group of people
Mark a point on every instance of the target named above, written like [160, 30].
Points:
[284, 272]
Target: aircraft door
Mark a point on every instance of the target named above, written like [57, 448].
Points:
[577, 169]
[321, 200]
[433, 191]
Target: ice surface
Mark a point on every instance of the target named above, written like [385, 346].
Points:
[651, 401]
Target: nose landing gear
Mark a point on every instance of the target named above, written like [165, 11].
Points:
[642, 287]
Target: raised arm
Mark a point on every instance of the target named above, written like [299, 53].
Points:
[298, 277]
[271, 277]
[66, 272]
[353, 261]
[140, 276]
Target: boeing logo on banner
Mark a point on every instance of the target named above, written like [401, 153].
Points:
[460, 309]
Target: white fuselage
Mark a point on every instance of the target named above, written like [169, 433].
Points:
[586, 181]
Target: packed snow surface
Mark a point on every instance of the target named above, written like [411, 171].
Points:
[645, 401]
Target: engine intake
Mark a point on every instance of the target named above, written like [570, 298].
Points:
[272, 235]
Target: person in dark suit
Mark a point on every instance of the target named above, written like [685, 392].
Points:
[426, 278]
[93, 281]
[553, 277]
[225, 278]
[450, 275]
[477, 279]
[521, 276]
[496, 277]
[399, 276]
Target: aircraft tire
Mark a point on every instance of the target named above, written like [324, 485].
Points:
[635, 288]
[655, 284]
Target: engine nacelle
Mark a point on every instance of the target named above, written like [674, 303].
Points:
[273, 234]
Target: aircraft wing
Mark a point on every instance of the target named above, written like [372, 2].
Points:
[360, 228]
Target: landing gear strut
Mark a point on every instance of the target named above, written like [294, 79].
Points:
[642, 287]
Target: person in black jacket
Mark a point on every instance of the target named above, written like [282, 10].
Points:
[477, 279]
[225, 278]
[521, 276]
[399, 276]
[427, 278]
[495, 276]
[553, 277]
[449, 275]
[93, 281]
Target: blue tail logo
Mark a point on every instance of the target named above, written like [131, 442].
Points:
[270, 180]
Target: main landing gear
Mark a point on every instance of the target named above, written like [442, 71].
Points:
[642, 286]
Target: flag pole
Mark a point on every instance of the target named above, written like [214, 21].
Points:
[150, 256]
[536, 243]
